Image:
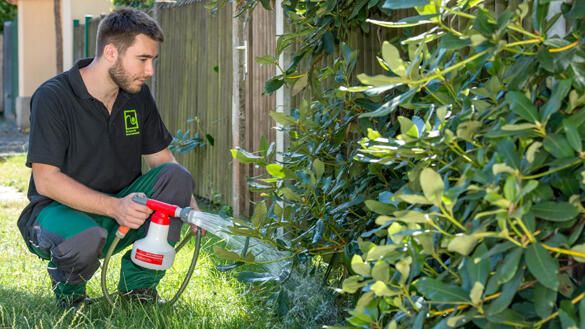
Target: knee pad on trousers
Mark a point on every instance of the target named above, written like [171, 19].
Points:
[76, 259]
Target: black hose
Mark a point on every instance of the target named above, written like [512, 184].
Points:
[179, 246]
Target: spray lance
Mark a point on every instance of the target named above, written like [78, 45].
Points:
[153, 251]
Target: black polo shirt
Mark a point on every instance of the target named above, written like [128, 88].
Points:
[72, 130]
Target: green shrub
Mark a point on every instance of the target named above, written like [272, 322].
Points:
[488, 228]
[462, 204]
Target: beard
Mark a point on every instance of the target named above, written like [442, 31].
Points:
[124, 80]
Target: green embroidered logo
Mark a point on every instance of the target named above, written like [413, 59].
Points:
[131, 122]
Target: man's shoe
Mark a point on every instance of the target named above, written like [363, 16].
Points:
[143, 296]
[74, 302]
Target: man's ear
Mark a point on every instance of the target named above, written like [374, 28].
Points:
[110, 53]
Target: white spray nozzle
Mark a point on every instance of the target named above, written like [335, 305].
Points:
[192, 216]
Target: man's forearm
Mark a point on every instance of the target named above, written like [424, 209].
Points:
[65, 190]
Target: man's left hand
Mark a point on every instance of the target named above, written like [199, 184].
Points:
[195, 228]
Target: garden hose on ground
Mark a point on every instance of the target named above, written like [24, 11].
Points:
[121, 233]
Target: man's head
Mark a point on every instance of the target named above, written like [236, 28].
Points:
[121, 27]
[128, 40]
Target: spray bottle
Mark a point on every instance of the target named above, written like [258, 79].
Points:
[153, 251]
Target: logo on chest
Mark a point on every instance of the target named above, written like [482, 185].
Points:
[131, 122]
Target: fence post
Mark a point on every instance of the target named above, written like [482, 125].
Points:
[283, 94]
[10, 61]
[239, 186]
[87, 19]
[75, 42]
[6, 81]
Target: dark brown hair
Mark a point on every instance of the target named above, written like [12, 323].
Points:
[121, 27]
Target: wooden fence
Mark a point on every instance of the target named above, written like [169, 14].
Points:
[193, 79]
[78, 41]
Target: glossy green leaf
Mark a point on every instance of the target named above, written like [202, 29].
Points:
[567, 320]
[507, 150]
[572, 135]
[225, 254]
[348, 204]
[577, 11]
[283, 118]
[275, 170]
[273, 84]
[290, 194]
[318, 167]
[245, 157]
[402, 4]
[508, 292]
[521, 105]
[507, 270]
[264, 60]
[266, 4]
[476, 292]
[259, 214]
[560, 91]
[381, 289]
[408, 128]
[378, 252]
[558, 146]
[299, 85]
[462, 244]
[413, 199]
[353, 283]
[403, 267]
[380, 208]
[499, 168]
[582, 314]
[478, 267]
[544, 300]
[542, 266]
[452, 42]
[391, 56]
[390, 106]
[380, 80]
[328, 42]
[483, 23]
[410, 216]
[432, 185]
[467, 130]
[511, 188]
[359, 267]
[555, 211]
[579, 248]
[506, 317]
[437, 291]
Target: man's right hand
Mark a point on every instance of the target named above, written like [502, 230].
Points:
[129, 213]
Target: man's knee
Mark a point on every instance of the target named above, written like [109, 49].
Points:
[175, 184]
[76, 259]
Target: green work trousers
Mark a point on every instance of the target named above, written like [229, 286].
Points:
[74, 241]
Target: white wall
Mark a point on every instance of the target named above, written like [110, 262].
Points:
[77, 9]
[37, 58]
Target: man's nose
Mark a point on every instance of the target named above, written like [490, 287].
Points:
[149, 69]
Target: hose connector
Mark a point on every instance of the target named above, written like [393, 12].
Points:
[121, 232]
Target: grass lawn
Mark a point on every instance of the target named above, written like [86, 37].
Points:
[213, 299]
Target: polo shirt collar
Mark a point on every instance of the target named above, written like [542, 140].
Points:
[78, 85]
